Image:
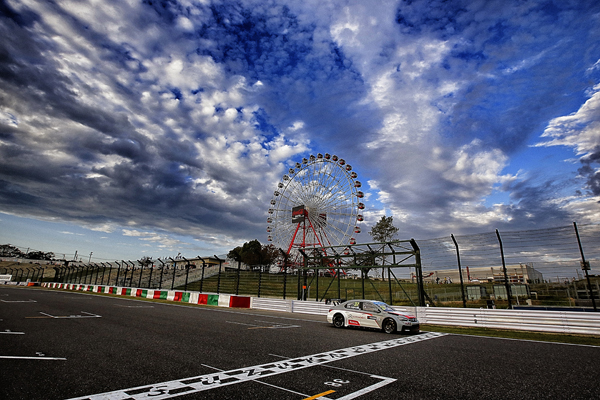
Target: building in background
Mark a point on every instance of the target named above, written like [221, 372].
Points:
[520, 273]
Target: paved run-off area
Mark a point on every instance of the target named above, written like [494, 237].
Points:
[58, 345]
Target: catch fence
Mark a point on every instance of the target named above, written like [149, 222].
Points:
[555, 267]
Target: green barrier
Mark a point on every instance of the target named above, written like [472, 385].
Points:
[185, 297]
[213, 300]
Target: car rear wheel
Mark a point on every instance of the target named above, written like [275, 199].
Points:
[338, 320]
[389, 325]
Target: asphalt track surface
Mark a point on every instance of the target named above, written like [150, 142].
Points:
[60, 345]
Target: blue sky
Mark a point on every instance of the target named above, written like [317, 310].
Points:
[151, 128]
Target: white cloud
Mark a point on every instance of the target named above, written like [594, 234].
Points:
[579, 130]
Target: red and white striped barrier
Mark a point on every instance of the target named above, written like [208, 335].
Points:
[220, 300]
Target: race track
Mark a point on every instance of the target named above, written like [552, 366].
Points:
[60, 345]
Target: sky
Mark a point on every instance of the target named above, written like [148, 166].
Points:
[153, 128]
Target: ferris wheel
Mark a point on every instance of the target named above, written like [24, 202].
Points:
[316, 204]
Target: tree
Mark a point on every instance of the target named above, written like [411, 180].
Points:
[251, 253]
[254, 254]
[40, 255]
[146, 261]
[269, 254]
[7, 250]
[235, 254]
[384, 230]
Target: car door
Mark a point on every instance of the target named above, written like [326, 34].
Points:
[354, 314]
[371, 315]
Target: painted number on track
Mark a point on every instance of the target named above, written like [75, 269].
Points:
[337, 383]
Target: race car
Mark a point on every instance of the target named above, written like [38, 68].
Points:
[372, 314]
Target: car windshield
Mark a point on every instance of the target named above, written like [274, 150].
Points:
[383, 306]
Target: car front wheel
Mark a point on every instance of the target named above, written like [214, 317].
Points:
[389, 326]
[338, 320]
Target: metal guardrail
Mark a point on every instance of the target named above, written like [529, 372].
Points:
[294, 306]
[310, 307]
[261, 303]
[565, 322]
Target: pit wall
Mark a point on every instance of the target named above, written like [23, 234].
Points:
[221, 300]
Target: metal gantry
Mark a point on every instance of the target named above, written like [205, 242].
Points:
[363, 257]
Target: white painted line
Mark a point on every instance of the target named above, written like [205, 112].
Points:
[276, 325]
[239, 323]
[19, 301]
[8, 332]
[272, 325]
[119, 305]
[169, 389]
[385, 381]
[89, 315]
[33, 358]
[525, 340]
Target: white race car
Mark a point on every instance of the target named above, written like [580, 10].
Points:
[372, 314]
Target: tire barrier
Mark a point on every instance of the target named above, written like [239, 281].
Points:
[219, 300]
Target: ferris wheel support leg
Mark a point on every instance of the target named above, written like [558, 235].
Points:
[293, 238]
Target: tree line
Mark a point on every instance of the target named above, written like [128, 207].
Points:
[7, 250]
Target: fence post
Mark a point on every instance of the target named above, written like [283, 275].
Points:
[419, 271]
[339, 296]
[299, 272]
[237, 283]
[151, 271]
[162, 268]
[141, 273]
[187, 273]
[118, 273]
[97, 273]
[132, 269]
[506, 284]
[284, 272]
[202, 277]
[462, 286]
[103, 271]
[126, 265]
[259, 279]
[219, 277]
[109, 272]
[174, 271]
[585, 266]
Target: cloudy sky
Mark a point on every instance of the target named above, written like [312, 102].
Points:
[133, 128]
